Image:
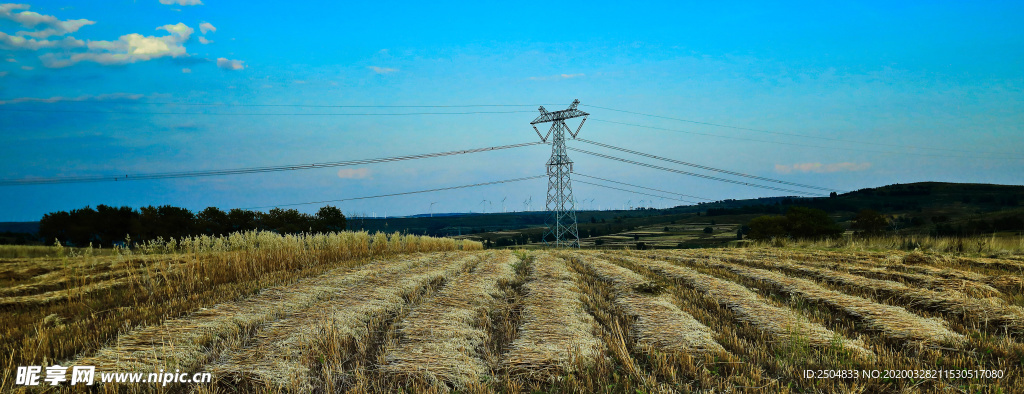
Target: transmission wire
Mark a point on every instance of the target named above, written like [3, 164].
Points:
[796, 134]
[703, 167]
[249, 170]
[690, 173]
[403, 193]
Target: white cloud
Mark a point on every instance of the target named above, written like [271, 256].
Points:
[21, 43]
[130, 48]
[353, 173]
[186, 70]
[382, 70]
[206, 27]
[229, 64]
[181, 2]
[821, 168]
[3, 74]
[29, 19]
[12, 60]
[57, 99]
[204, 41]
[559, 76]
[27, 68]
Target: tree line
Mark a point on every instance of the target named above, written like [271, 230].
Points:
[106, 225]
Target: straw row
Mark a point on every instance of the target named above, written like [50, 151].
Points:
[987, 309]
[441, 340]
[945, 280]
[752, 309]
[60, 295]
[658, 322]
[555, 329]
[275, 356]
[892, 321]
[183, 342]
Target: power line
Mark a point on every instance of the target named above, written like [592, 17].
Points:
[703, 167]
[799, 135]
[249, 170]
[642, 187]
[792, 144]
[257, 114]
[331, 106]
[631, 191]
[404, 193]
[692, 174]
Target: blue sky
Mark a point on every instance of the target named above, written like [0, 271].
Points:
[843, 95]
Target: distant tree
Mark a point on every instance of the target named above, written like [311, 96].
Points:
[243, 220]
[636, 237]
[666, 229]
[54, 226]
[641, 246]
[599, 242]
[112, 224]
[287, 221]
[329, 219]
[833, 195]
[870, 222]
[708, 230]
[213, 221]
[768, 227]
[811, 223]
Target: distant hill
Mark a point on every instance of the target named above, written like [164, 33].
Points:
[933, 208]
[19, 227]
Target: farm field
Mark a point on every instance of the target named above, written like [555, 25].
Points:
[447, 317]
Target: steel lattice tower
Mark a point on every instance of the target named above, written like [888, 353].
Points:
[560, 204]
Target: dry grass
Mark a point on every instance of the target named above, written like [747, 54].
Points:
[351, 313]
[555, 327]
[442, 341]
[999, 246]
[183, 342]
[657, 322]
[160, 281]
[280, 353]
[781, 322]
[987, 310]
[891, 321]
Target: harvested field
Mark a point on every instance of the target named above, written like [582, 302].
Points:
[658, 323]
[442, 341]
[751, 308]
[891, 321]
[953, 301]
[555, 330]
[380, 314]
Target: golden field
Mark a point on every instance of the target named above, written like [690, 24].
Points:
[354, 312]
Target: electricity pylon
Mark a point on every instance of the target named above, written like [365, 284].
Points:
[562, 211]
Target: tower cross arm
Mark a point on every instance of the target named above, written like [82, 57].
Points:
[555, 116]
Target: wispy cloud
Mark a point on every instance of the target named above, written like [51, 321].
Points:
[559, 76]
[21, 43]
[206, 27]
[353, 173]
[181, 2]
[130, 48]
[86, 97]
[382, 70]
[186, 70]
[229, 64]
[52, 26]
[821, 168]
[204, 41]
